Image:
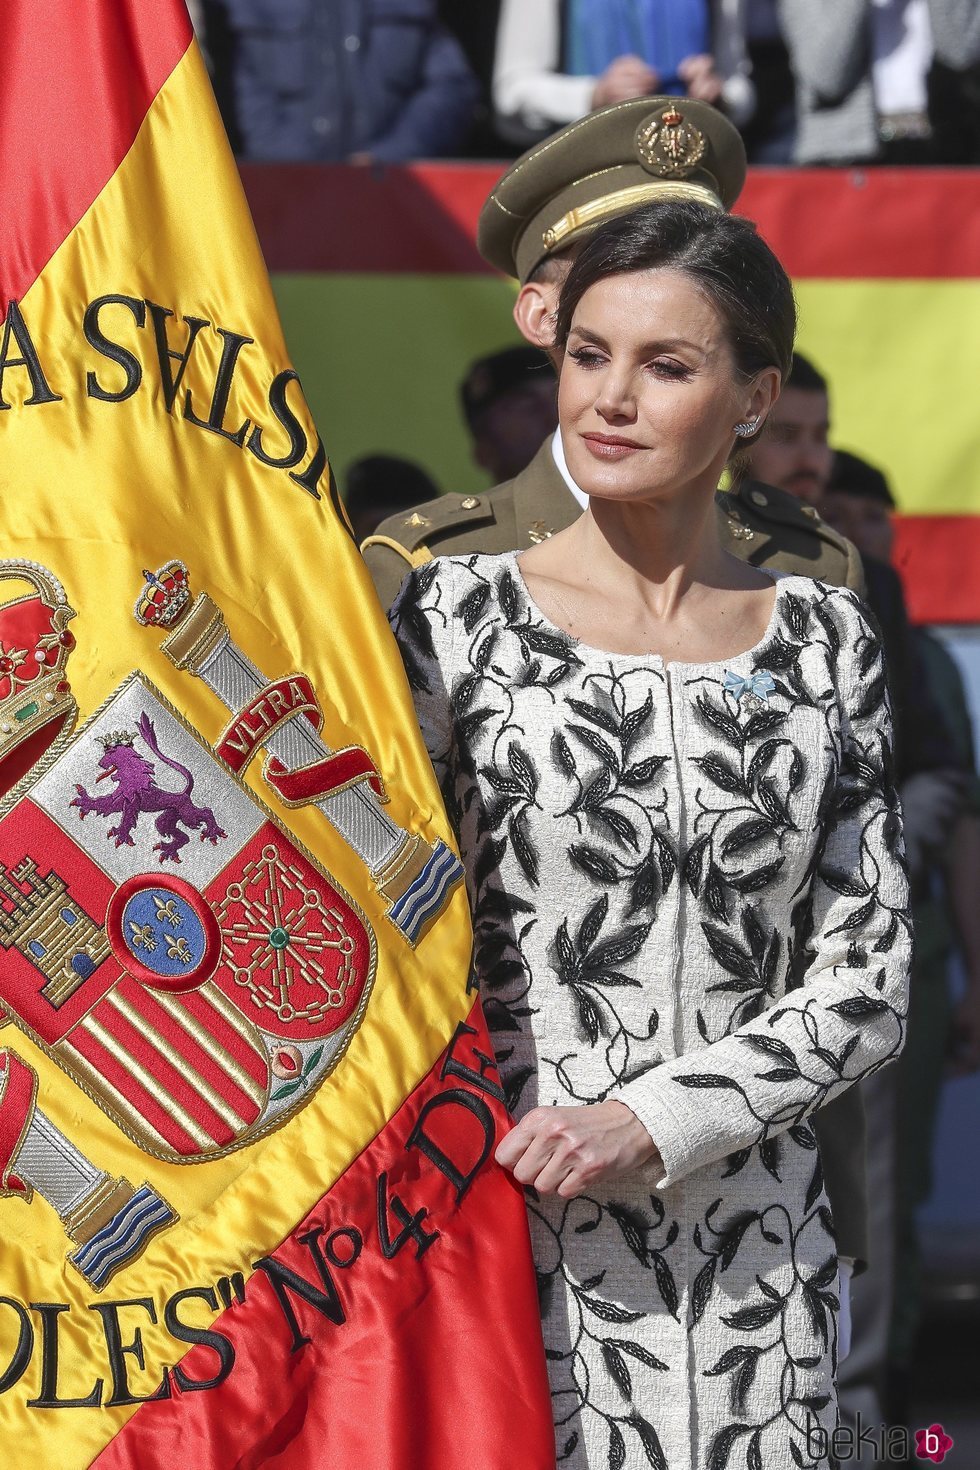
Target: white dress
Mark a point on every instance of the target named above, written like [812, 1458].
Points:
[688, 894]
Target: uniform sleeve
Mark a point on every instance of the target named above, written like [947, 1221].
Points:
[422, 622]
[850, 949]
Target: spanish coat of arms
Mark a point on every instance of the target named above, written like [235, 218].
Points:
[163, 937]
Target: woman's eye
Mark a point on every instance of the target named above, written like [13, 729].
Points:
[666, 367]
[587, 359]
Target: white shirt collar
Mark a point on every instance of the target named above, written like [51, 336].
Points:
[558, 453]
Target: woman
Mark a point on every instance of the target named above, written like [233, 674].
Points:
[671, 777]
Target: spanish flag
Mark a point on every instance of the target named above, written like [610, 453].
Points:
[248, 1104]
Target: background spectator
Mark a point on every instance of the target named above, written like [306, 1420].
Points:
[874, 78]
[336, 80]
[940, 1032]
[509, 405]
[381, 485]
[558, 59]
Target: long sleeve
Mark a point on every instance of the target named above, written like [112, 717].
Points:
[843, 1016]
[530, 94]
[422, 622]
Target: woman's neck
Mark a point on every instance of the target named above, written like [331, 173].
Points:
[652, 552]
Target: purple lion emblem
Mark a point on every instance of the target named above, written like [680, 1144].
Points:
[136, 792]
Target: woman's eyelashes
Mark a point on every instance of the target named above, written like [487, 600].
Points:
[661, 367]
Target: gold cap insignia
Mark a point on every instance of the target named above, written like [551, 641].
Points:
[669, 145]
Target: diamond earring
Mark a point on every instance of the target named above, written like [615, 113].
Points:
[746, 428]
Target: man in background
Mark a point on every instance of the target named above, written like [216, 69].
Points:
[509, 404]
[943, 1034]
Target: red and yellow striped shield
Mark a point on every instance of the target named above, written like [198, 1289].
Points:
[247, 1103]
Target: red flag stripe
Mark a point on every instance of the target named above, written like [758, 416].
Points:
[206, 1043]
[939, 559]
[106, 1075]
[824, 224]
[59, 150]
[99, 1036]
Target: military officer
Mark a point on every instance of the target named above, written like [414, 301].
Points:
[604, 165]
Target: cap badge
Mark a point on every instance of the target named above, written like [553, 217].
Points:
[669, 145]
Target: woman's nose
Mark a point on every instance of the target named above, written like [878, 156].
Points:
[615, 399]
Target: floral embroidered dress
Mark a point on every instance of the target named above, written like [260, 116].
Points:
[689, 895]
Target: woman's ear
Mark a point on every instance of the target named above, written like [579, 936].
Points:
[534, 313]
[763, 395]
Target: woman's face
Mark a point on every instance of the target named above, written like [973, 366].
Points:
[649, 396]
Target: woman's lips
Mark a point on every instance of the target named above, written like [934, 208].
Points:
[610, 446]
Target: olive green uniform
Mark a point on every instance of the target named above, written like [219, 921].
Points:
[765, 526]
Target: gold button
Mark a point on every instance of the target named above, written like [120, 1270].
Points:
[416, 520]
[757, 497]
[470, 503]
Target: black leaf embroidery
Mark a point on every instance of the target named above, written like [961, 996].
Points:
[666, 1284]
[618, 1371]
[592, 924]
[760, 760]
[507, 592]
[596, 714]
[634, 721]
[701, 1291]
[650, 1441]
[596, 743]
[642, 1354]
[643, 772]
[722, 773]
[694, 864]
[608, 1311]
[723, 1443]
[588, 1013]
[634, 1228]
[617, 1448]
[729, 954]
[857, 1006]
[470, 609]
[562, 755]
[593, 862]
[524, 848]
[742, 836]
[716, 717]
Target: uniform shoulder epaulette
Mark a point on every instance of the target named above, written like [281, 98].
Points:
[413, 534]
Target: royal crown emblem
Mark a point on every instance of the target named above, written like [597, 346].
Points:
[670, 145]
[163, 936]
[36, 702]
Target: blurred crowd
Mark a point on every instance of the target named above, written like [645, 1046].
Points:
[839, 82]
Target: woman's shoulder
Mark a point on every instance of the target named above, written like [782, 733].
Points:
[827, 599]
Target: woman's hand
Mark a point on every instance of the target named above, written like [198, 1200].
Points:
[566, 1151]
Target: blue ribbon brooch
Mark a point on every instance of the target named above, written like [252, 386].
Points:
[761, 684]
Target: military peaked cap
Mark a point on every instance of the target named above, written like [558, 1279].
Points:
[609, 162]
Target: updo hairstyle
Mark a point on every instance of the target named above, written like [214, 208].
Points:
[721, 253]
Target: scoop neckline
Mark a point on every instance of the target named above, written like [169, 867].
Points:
[779, 578]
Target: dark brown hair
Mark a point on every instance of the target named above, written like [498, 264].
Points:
[721, 253]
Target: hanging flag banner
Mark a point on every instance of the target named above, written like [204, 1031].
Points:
[248, 1102]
